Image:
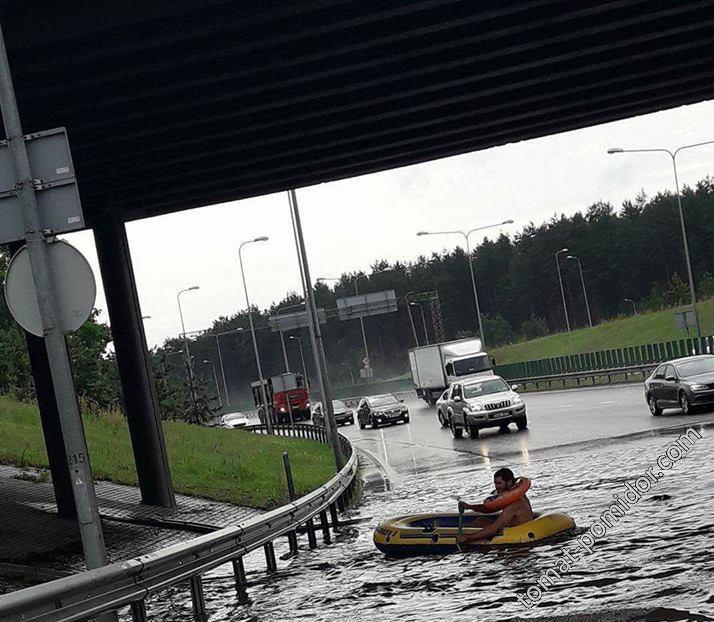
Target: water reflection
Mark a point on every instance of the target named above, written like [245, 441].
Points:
[658, 555]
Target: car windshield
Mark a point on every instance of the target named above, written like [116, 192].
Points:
[696, 367]
[471, 365]
[383, 400]
[339, 405]
[487, 387]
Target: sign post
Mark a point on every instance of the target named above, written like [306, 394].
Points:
[85, 499]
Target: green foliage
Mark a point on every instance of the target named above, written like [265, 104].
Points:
[633, 330]
[497, 329]
[225, 465]
[634, 252]
[534, 327]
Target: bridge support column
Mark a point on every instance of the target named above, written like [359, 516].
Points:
[51, 428]
[49, 417]
[135, 369]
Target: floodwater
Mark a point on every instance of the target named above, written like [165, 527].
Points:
[659, 558]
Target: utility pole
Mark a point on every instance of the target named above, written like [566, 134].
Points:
[85, 499]
[315, 332]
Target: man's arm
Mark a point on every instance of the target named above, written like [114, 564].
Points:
[504, 519]
[476, 507]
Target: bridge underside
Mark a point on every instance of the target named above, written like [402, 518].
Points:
[172, 105]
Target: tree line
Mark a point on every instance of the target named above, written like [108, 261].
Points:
[634, 252]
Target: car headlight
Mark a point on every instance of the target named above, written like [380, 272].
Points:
[405, 411]
[476, 407]
[282, 409]
[698, 387]
[517, 399]
[307, 404]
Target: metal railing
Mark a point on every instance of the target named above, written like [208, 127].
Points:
[87, 594]
[583, 375]
[649, 354]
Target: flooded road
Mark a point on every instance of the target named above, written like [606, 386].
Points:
[658, 558]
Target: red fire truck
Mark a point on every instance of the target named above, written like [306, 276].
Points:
[287, 396]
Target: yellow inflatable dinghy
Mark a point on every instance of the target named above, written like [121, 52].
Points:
[421, 534]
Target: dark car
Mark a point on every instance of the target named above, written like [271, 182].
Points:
[378, 409]
[686, 383]
[343, 414]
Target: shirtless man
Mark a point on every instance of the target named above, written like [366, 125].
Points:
[514, 514]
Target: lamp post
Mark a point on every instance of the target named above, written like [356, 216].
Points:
[268, 419]
[423, 320]
[145, 317]
[582, 281]
[466, 235]
[215, 379]
[302, 358]
[411, 319]
[562, 291]
[634, 307]
[187, 354]
[673, 156]
[220, 360]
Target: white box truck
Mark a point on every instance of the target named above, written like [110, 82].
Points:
[436, 366]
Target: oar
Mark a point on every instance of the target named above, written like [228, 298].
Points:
[460, 530]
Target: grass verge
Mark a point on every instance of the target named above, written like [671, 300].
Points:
[635, 330]
[226, 465]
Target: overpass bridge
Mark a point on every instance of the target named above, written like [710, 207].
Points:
[175, 105]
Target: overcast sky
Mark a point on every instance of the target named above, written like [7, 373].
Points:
[350, 224]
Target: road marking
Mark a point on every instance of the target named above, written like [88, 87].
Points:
[566, 405]
[608, 402]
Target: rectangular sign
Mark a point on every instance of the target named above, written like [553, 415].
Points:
[291, 321]
[684, 320]
[56, 190]
[364, 305]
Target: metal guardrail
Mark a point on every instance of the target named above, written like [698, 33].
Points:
[87, 594]
[602, 360]
[581, 375]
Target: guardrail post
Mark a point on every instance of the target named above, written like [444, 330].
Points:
[270, 557]
[341, 504]
[138, 611]
[241, 579]
[311, 539]
[197, 598]
[333, 516]
[325, 526]
[293, 542]
[288, 476]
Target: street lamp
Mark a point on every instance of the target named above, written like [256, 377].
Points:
[268, 421]
[423, 321]
[187, 354]
[582, 281]
[673, 155]
[634, 307]
[302, 358]
[466, 235]
[145, 317]
[215, 379]
[220, 360]
[562, 291]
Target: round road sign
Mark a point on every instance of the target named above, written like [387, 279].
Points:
[75, 288]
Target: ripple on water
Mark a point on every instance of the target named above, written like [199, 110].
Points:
[654, 564]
